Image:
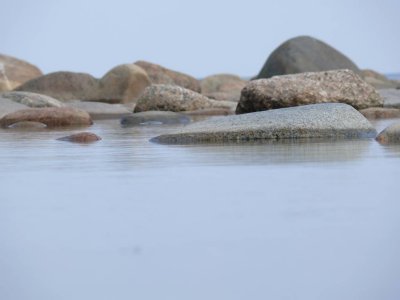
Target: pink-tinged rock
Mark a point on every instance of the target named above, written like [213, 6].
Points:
[81, 137]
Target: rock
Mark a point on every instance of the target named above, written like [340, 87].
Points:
[32, 99]
[154, 118]
[223, 87]
[82, 137]
[161, 75]
[307, 88]
[14, 72]
[304, 54]
[391, 97]
[99, 110]
[211, 112]
[176, 99]
[51, 116]
[27, 125]
[380, 113]
[328, 120]
[8, 106]
[63, 86]
[122, 84]
[378, 80]
[390, 135]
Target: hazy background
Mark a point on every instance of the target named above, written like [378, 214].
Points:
[196, 37]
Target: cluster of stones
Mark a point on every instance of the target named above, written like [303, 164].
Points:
[306, 89]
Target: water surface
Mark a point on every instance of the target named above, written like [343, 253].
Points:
[128, 219]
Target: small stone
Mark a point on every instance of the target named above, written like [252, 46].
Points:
[82, 137]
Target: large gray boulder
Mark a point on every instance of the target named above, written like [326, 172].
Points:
[304, 54]
[32, 99]
[175, 98]
[342, 86]
[330, 120]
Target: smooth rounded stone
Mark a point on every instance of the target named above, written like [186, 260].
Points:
[32, 99]
[379, 81]
[223, 87]
[122, 84]
[177, 99]
[27, 125]
[154, 118]
[8, 106]
[342, 86]
[390, 135]
[14, 72]
[391, 97]
[304, 54]
[329, 120]
[63, 86]
[51, 116]
[161, 75]
[380, 113]
[81, 137]
[100, 110]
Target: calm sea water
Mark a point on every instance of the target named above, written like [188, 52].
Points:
[128, 219]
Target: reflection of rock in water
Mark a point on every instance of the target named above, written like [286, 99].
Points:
[280, 152]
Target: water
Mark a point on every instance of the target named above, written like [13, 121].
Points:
[128, 219]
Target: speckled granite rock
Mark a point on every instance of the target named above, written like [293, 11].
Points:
[161, 75]
[223, 87]
[380, 113]
[51, 116]
[342, 86]
[154, 118]
[330, 120]
[304, 54]
[32, 99]
[390, 135]
[177, 99]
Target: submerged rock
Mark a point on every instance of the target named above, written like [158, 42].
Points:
[51, 116]
[330, 120]
[32, 99]
[82, 137]
[177, 99]
[304, 54]
[154, 118]
[161, 75]
[390, 135]
[342, 86]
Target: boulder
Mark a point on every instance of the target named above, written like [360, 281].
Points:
[390, 135]
[308, 88]
[391, 97]
[223, 87]
[328, 120]
[380, 113]
[8, 106]
[154, 118]
[51, 116]
[304, 54]
[122, 84]
[32, 99]
[99, 110]
[161, 75]
[379, 81]
[81, 137]
[177, 99]
[14, 72]
[63, 86]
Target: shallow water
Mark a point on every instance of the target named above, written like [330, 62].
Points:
[128, 219]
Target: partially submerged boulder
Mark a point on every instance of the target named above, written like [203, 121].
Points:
[390, 135]
[81, 137]
[161, 75]
[330, 120]
[342, 86]
[154, 118]
[51, 116]
[174, 98]
[304, 54]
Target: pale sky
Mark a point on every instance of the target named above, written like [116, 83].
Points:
[196, 37]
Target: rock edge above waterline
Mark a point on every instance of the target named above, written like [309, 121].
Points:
[329, 120]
